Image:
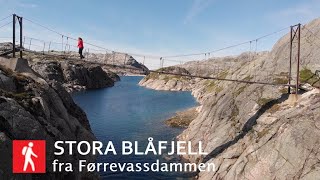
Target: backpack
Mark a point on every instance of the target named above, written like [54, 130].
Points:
[24, 150]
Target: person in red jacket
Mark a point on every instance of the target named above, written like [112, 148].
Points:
[80, 46]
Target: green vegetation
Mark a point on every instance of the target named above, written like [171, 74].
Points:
[286, 74]
[182, 119]
[18, 96]
[212, 87]
[219, 89]
[223, 74]
[307, 76]
[23, 95]
[263, 101]
[239, 91]
[152, 76]
[248, 78]
[166, 69]
[280, 80]
[234, 113]
[284, 90]
[166, 78]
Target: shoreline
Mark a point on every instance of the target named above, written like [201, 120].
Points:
[139, 75]
[183, 118]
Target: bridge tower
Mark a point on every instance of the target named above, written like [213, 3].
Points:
[295, 33]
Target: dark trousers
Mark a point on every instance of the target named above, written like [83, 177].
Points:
[80, 52]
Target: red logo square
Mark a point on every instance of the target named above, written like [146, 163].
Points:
[29, 156]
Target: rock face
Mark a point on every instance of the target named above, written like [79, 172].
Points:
[168, 82]
[114, 60]
[31, 108]
[118, 63]
[278, 142]
[74, 75]
[251, 131]
[182, 119]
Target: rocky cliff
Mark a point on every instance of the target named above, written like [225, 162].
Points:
[33, 108]
[71, 72]
[74, 75]
[119, 59]
[251, 131]
[119, 63]
[159, 81]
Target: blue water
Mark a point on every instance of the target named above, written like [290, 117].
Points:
[133, 113]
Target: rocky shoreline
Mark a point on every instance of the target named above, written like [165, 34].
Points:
[251, 131]
[182, 119]
[33, 108]
[35, 103]
[74, 75]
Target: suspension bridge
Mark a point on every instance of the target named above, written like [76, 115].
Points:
[63, 46]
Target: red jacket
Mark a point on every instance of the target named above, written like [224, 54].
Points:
[80, 44]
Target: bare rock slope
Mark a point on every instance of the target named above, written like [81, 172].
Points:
[74, 75]
[250, 130]
[168, 82]
[32, 108]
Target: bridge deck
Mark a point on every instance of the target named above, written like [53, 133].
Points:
[163, 72]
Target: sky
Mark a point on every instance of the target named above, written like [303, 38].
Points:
[161, 27]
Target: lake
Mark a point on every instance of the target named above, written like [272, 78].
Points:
[133, 113]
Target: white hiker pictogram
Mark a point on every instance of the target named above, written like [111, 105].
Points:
[27, 152]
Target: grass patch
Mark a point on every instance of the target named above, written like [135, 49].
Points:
[207, 82]
[307, 76]
[281, 80]
[223, 74]
[166, 78]
[234, 113]
[17, 96]
[23, 95]
[263, 101]
[212, 87]
[284, 90]
[239, 91]
[284, 74]
[218, 89]
[152, 76]
[182, 119]
[176, 77]
[248, 78]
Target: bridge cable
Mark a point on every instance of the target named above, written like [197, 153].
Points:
[183, 55]
[6, 17]
[6, 24]
[231, 46]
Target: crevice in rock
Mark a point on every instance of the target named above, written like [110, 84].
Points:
[246, 128]
[6, 128]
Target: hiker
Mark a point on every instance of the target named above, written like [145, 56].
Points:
[80, 46]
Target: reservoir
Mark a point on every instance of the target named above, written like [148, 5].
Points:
[128, 112]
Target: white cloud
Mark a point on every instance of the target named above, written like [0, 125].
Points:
[197, 7]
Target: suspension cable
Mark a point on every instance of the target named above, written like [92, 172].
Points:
[5, 17]
[152, 56]
[6, 24]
